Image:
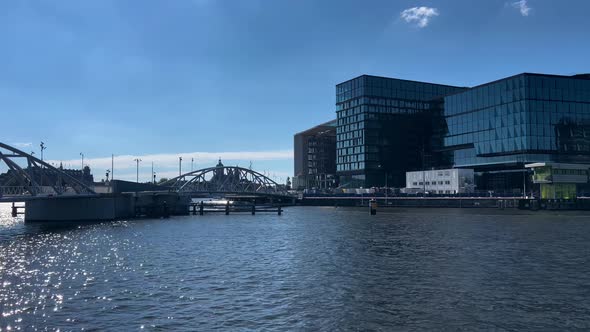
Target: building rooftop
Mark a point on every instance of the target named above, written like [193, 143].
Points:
[577, 76]
[330, 125]
[399, 79]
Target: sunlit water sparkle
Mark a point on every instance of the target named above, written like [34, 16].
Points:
[309, 269]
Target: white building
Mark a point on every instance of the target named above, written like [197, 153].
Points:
[442, 181]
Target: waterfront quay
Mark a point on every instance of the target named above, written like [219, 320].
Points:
[582, 203]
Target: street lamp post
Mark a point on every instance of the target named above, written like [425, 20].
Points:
[153, 172]
[179, 166]
[137, 160]
[43, 147]
[82, 161]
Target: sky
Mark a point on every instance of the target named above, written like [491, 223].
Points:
[236, 79]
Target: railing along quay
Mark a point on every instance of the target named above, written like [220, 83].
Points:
[201, 208]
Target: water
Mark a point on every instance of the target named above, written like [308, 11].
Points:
[310, 269]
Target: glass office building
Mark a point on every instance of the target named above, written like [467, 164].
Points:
[384, 128]
[498, 127]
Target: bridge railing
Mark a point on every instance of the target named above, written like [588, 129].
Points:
[39, 191]
[13, 190]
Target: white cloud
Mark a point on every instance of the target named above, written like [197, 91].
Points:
[522, 6]
[166, 165]
[419, 15]
[22, 145]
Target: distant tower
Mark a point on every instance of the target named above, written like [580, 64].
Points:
[218, 173]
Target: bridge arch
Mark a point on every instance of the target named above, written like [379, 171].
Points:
[225, 179]
[29, 176]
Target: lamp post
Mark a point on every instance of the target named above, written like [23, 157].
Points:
[179, 166]
[153, 176]
[82, 161]
[137, 160]
[43, 147]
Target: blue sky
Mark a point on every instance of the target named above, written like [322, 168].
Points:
[236, 79]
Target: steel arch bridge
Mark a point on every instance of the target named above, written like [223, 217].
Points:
[30, 177]
[225, 180]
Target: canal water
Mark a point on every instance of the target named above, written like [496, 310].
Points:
[315, 269]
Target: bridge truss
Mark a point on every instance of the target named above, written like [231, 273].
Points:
[225, 179]
[28, 176]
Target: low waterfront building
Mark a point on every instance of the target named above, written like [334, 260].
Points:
[442, 181]
[558, 180]
[315, 157]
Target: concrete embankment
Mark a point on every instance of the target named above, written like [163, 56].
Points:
[420, 202]
[106, 207]
[452, 202]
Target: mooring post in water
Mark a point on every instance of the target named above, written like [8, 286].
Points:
[165, 209]
[253, 209]
[227, 208]
[201, 209]
[14, 210]
[373, 206]
[280, 211]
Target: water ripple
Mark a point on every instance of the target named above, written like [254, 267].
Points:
[310, 269]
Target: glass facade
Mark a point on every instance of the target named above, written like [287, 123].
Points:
[521, 119]
[498, 127]
[384, 128]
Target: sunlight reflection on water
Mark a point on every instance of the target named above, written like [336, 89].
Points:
[310, 269]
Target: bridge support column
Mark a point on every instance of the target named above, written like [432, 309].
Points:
[280, 211]
[14, 210]
[253, 209]
[227, 208]
[201, 209]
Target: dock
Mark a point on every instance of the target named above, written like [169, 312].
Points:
[203, 207]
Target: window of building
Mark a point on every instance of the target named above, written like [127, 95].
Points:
[447, 182]
[415, 183]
